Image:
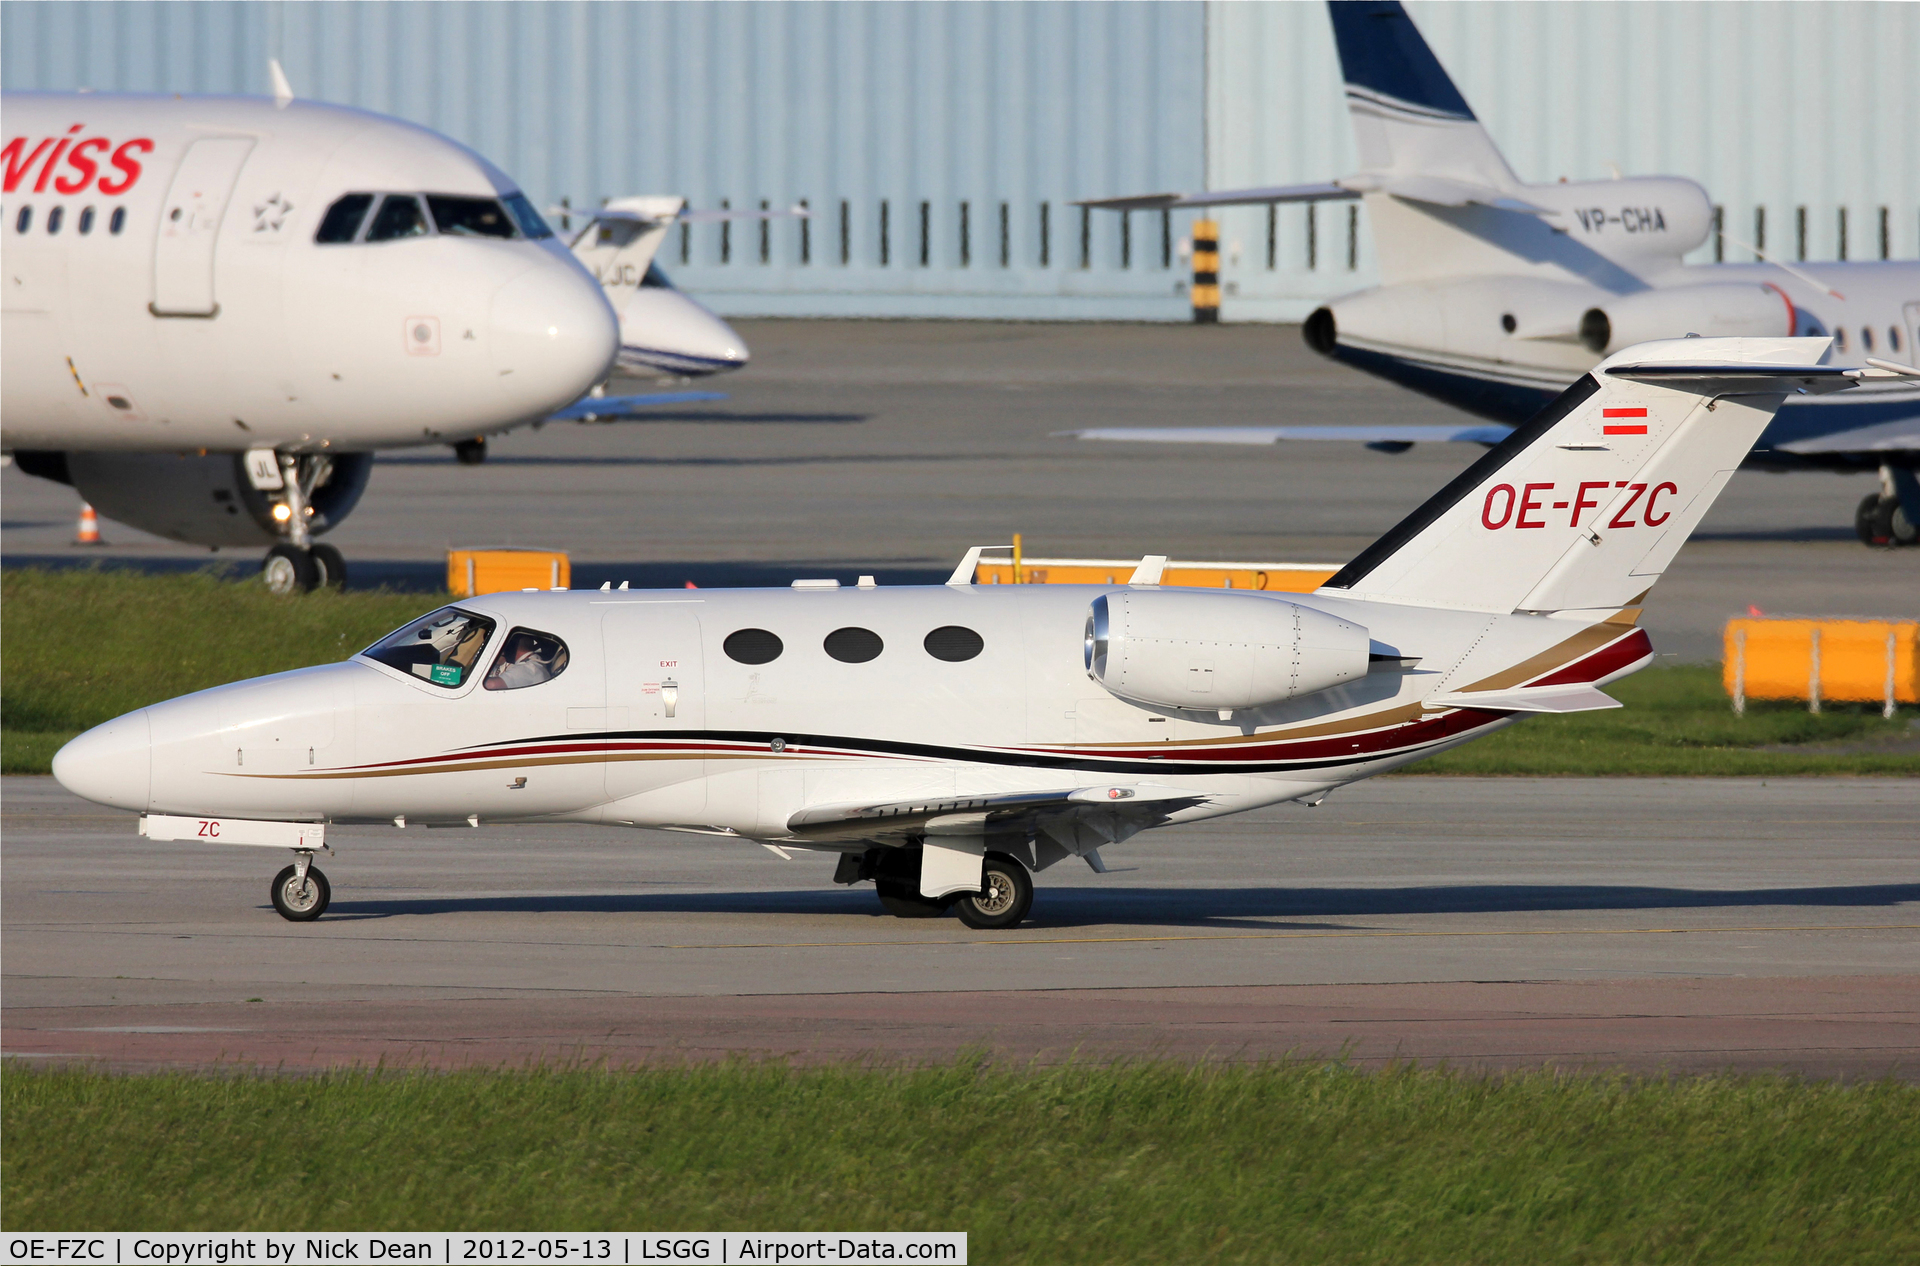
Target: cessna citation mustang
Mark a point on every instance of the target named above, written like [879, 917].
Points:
[663, 330]
[1496, 293]
[946, 741]
[217, 307]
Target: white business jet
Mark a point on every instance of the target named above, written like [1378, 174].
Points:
[663, 330]
[216, 308]
[1495, 294]
[947, 741]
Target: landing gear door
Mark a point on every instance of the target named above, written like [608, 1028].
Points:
[655, 696]
[190, 226]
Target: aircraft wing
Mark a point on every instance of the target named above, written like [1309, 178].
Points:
[1902, 435]
[990, 814]
[1224, 198]
[1392, 439]
[613, 408]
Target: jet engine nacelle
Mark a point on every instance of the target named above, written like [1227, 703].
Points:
[1723, 309]
[1217, 651]
[203, 500]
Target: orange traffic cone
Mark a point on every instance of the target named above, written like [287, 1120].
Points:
[89, 530]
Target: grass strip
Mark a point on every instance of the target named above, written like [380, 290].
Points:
[1283, 1162]
[81, 647]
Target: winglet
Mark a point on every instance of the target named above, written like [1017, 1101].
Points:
[282, 90]
[1148, 572]
[963, 574]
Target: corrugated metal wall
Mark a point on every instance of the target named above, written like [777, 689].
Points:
[943, 113]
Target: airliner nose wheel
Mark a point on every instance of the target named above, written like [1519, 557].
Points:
[333, 568]
[1005, 896]
[290, 569]
[301, 893]
[471, 452]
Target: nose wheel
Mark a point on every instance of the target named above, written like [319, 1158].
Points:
[288, 569]
[300, 892]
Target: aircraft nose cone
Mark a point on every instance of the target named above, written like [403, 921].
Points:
[110, 764]
[665, 331]
[554, 337]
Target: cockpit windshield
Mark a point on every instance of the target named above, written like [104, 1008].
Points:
[452, 215]
[469, 217]
[443, 648]
[527, 658]
[525, 216]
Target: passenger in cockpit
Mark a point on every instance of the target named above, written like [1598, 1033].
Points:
[527, 659]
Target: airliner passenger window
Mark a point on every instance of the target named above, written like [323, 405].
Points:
[118, 220]
[531, 225]
[342, 220]
[86, 221]
[399, 216]
[56, 215]
[469, 217]
[1866, 332]
[527, 658]
[1893, 338]
[23, 221]
[443, 648]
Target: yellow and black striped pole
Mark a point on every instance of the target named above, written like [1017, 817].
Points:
[1206, 272]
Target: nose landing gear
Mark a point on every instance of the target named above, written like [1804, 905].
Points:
[297, 565]
[301, 892]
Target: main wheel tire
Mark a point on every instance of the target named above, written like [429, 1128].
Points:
[289, 569]
[1900, 528]
[333, 568]
[298, 903]
[905, 902]
[1873, 521]
[1005, 896]
[471, 452]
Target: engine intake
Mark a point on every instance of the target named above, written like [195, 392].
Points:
[1217, 651]
[1750, 309]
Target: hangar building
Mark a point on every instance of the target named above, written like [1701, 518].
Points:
[939, 145]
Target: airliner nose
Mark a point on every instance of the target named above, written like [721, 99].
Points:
[664, 330]
[554, 337]
[110, 764]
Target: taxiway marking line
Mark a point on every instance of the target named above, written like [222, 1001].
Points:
[1316, 936]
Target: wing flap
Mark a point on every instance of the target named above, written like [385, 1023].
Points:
[1476, 433]
[613, 408]
[1555, 699]
[982, 815]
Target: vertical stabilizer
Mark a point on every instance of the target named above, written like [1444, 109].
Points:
[619, 243]
[1408, 117]
[1584, 506]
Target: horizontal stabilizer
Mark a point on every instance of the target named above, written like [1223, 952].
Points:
[613, 408]
[1736, 379]
[1488, 433]
[1581, 698]
[1224, 198]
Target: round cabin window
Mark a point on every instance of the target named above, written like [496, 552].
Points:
[752, 646]
[954, 643]
[854, 646]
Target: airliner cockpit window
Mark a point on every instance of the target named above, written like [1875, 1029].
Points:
[443, 648]
[399, 216]
[527, 658]
[342, 220]
[469, 217]
[531, 225]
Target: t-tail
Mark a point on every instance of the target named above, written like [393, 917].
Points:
[1584, 507]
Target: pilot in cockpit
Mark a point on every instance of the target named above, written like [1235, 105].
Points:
[527, 659]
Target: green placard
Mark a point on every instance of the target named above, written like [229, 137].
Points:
[446, 674]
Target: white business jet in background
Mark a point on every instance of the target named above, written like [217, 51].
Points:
[946, 741]
[216, 308]
[663, 330]
[1495, 293]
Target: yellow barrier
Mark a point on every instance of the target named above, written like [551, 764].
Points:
[1278, 577]
[1818, 660]
[472, 572]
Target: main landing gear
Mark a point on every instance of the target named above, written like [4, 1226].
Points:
[297, 565]
[300, 892]
[1887, 518]
[1005, 896]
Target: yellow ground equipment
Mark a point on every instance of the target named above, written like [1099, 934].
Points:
[1822, 661]
[472, 572]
